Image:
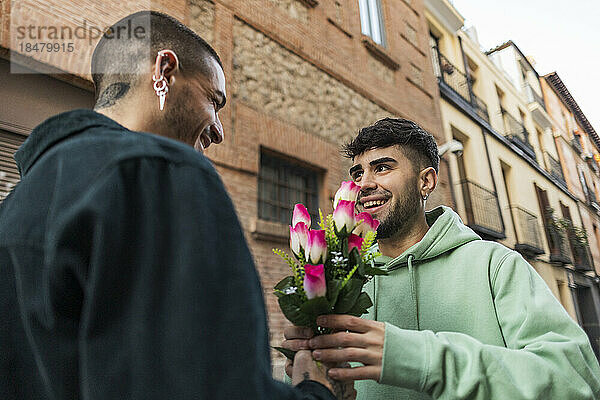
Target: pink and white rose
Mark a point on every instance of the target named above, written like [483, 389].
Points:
[298, 238]
[316, 247]
[314, 281]
[343, 215]
[348, 191]
[355, 241]
[366, 223]
[300, 215]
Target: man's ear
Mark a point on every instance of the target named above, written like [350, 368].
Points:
[167, 65]
[428, 180]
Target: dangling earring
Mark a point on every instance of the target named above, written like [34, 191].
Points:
[425, 197]
[161, 86]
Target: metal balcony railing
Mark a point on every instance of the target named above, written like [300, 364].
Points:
[591, 196]
[451, 75]
[458, 81]
[580, 249]
[557, 241]
[528, 232]
[591, 162]
[483, 213]
[517, 133]
[576, 143]
[480, 108]
[555, 168]
[581, 257]
[532, 96]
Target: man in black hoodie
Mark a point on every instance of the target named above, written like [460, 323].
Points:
[124, 273]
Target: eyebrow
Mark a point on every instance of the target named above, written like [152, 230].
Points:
[372, 163]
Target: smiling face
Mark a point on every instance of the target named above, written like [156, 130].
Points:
[196, 103]
[389, 189]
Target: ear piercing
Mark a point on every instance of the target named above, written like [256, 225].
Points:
[161, 85]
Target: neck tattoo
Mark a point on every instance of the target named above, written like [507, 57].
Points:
[111, 94]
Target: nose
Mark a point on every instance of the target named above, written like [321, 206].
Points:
[216, 131]
[367, 182]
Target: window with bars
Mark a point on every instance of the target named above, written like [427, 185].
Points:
[283, 183]
[371, 20]
[9, 173]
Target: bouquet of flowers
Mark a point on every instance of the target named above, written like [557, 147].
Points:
[329, 266]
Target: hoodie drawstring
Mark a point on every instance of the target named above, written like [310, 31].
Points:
[413, 289]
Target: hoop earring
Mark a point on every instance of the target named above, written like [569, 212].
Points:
[161, 87]
[425, 197]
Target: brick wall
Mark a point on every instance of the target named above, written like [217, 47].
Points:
[301, 79]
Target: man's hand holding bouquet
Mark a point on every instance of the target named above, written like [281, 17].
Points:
[330, 267]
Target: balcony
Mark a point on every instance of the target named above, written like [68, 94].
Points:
[591, 196]
[555, 168]
[557, 241]
[591, 162]
[581, 257]
[576, 144]
[480, 108]
[483, 212]
[529, 242]
[457, 81]
[532, 96]
[579, 248]
[516, 132]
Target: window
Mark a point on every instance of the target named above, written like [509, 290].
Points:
[283, 183]
[434, 44]
[9, 173]
[371, 20]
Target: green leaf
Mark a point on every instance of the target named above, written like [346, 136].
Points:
[363, 303]
[315, 307]
[290, 306]
[283, 284]
[348, 296]
[290, 354]
[333, 290]
[354, 257]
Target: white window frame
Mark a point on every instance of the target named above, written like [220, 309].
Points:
[371, 20]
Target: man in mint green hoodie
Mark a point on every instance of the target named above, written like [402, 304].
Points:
[457, 317]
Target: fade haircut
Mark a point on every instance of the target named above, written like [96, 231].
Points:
[416, 143]
[120, 58]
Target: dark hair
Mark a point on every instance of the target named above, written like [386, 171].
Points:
[417, 144]
[118, 57]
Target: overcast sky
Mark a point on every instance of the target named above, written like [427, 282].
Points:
[561, 36]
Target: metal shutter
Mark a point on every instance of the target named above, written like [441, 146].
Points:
[9, 173]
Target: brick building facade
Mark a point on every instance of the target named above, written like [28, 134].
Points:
[302, 76]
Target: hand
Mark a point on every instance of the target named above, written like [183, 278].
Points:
[305, 368]
[360, 340]
[296, 339]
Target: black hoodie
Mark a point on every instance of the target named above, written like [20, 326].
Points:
[124, 274]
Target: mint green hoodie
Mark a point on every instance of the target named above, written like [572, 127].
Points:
[471, 319]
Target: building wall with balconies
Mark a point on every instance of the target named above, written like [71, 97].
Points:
[509, 154]
[579, 158]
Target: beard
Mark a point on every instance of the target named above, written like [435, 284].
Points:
[177, 118]
[402, 213]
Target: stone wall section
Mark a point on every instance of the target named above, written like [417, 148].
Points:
[202, 19]
[294, 8]
[274, 80]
